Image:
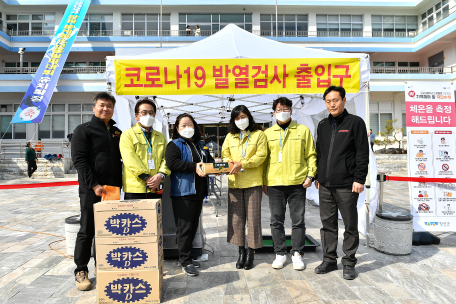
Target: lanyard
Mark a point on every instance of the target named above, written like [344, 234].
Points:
[280, 137]
[149, 146]
[244, 153]
[199, 155]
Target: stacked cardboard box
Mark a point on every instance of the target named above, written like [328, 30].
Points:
[129, 249]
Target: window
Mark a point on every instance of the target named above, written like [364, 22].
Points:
[393, 26]
[53, 124]
[436, 60]
[15, 131]
[61, 119]
[78, 113]
[390, 67]
[145, 24]
[211, 23]
[31, 24]
[288, 25]
[380, 112]
[97, 25]
[435, 13]
[339, 25]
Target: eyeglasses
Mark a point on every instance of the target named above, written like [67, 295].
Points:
[283, 110]
[144, 113]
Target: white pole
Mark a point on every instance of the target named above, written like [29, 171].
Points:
[277, 22]
[368, 181]
[161, 23]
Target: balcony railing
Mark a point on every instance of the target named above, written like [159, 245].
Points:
[413, 70]
[374, 70]
[65, 70]
[206, 33]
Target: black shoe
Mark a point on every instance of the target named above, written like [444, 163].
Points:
[195, 263]
[325, 267]
[349, 272]
[249, 259]
[241, 260]
[190, 270]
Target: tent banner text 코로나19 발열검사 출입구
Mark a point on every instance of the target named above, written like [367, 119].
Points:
[235, 76]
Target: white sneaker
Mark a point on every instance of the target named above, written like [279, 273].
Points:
[298, 263]
[279, 261]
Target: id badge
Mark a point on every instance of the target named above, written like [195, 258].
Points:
[280, 157]
[151, 164]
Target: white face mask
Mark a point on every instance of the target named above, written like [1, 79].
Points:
[187, 132]
[283, 116]
[147, 121]
[242, 123]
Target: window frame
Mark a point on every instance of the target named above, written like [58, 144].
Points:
[284, 32]
[30, 22]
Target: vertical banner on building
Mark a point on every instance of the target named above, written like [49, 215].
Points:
[39, 93]
[431, 144]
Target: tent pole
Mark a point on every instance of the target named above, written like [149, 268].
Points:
[161, 23]
[277, 22]
[368, 181]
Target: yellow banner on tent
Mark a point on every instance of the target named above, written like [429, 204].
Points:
[235, 76]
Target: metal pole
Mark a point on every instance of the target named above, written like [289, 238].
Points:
[277, 24]
[381, 180]
[368, 181]
[161, 23]
[20, 62]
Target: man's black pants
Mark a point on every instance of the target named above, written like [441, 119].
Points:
[31, 167]
[296, 197]
[332, 199]
[186, 216]
[86, 233]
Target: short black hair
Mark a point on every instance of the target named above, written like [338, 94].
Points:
[196, 136]
[39, 138]
[145, 101]
[283, 101]
[103, 96]
[232, 128]
[370, 129]
[341, 91]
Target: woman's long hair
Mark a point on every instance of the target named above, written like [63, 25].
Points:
[196, 137]
[232, 128]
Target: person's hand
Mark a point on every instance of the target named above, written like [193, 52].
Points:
[317, 185]
[237, 166]
[265, 190]
[357, 187]
[154, 182]
[307, 183]
[199, 169]
[26, 161]
[99, 190]
[150, 183]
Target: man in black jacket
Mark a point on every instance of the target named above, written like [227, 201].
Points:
[96, 157]
[342, 164]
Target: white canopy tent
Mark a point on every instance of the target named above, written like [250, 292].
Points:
[230, 43]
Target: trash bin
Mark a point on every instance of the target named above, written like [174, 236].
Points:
[72, 225]
[393, 232]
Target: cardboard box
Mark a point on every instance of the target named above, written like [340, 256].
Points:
[130, 218]
[217, 168]
[129, 254]
[139, 287]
